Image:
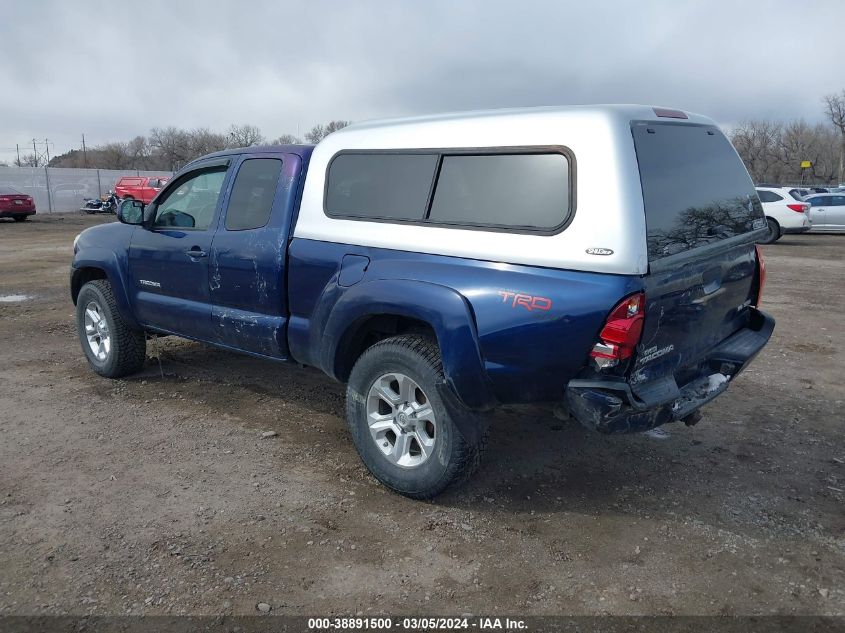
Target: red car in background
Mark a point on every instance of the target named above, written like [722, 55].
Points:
[143, 188]
[15, 204]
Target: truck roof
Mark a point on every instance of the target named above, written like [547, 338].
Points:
[304, 150]
[446, 122]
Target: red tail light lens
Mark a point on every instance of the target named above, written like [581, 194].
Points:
[761, 274]
[800, 208]
[621, 332]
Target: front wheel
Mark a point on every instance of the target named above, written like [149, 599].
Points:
[112, 347]
[401, 427]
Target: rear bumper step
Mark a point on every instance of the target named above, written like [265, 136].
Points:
[610, 406]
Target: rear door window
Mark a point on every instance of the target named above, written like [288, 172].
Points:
[253, 193]
[696, 190]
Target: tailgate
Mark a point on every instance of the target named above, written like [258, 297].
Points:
[692, 309]
[702, 218]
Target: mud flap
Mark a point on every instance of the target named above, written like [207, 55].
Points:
[470, 424]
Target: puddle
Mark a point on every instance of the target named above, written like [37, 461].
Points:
[14, 298]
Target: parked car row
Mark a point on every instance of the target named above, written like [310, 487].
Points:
[788, 211]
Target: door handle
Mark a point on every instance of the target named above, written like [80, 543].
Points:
[195, 253]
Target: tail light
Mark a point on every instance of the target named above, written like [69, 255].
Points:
[621, 332]
[800, 208]
[761, 274]
[4, 199]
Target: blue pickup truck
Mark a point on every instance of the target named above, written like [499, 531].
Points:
[599, 258]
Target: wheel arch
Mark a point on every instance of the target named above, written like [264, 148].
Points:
[102, 264]
[372, 311]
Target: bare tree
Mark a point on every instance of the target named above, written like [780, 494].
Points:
[172, 145]
[27, 160]
[140, 153]
[835, 110]
[203, 141]
[756, 142]
[287, 139]
[114, 156]
[319, 131]
[245, 136]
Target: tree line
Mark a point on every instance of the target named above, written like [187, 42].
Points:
[773, 151]
[170, 148]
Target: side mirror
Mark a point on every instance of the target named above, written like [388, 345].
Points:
[131, 212]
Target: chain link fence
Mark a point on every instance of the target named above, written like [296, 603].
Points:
[58, 190]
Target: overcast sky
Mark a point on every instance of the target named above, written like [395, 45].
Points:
[113, 69]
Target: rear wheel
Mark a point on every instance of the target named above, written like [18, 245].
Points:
[20, 218]
[112, 347]
[403, 430]
[774, 232]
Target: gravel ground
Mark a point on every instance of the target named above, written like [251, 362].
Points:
[159, 495]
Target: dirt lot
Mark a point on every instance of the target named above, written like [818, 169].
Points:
[157, 494]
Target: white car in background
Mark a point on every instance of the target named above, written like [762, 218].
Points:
[828, 211]
[784, 214]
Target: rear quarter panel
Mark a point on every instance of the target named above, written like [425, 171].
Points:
[534, 326]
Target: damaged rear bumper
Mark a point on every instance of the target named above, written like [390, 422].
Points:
[608, 405]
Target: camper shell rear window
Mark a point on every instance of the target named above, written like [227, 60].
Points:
[696, 190]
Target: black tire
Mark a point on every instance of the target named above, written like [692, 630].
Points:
[774, 232]
[20, 218]
[453, 458]
[128, 346]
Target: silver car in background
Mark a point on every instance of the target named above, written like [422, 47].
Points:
[827, 212]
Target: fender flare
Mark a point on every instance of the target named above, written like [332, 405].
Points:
[108, 262]
[445, 310]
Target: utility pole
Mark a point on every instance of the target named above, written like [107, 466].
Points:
[47, 149]
[84, 153]
[18, 151]
[35, 152]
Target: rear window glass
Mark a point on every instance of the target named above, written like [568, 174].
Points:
[382, 186]
[514, 190]
[696, 190]
[252, 194]
[768, 196]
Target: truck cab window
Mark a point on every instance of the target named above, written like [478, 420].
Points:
[253, 193]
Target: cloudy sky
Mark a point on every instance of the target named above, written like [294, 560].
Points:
[113, 69]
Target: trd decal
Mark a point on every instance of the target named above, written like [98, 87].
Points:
[526, 301]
